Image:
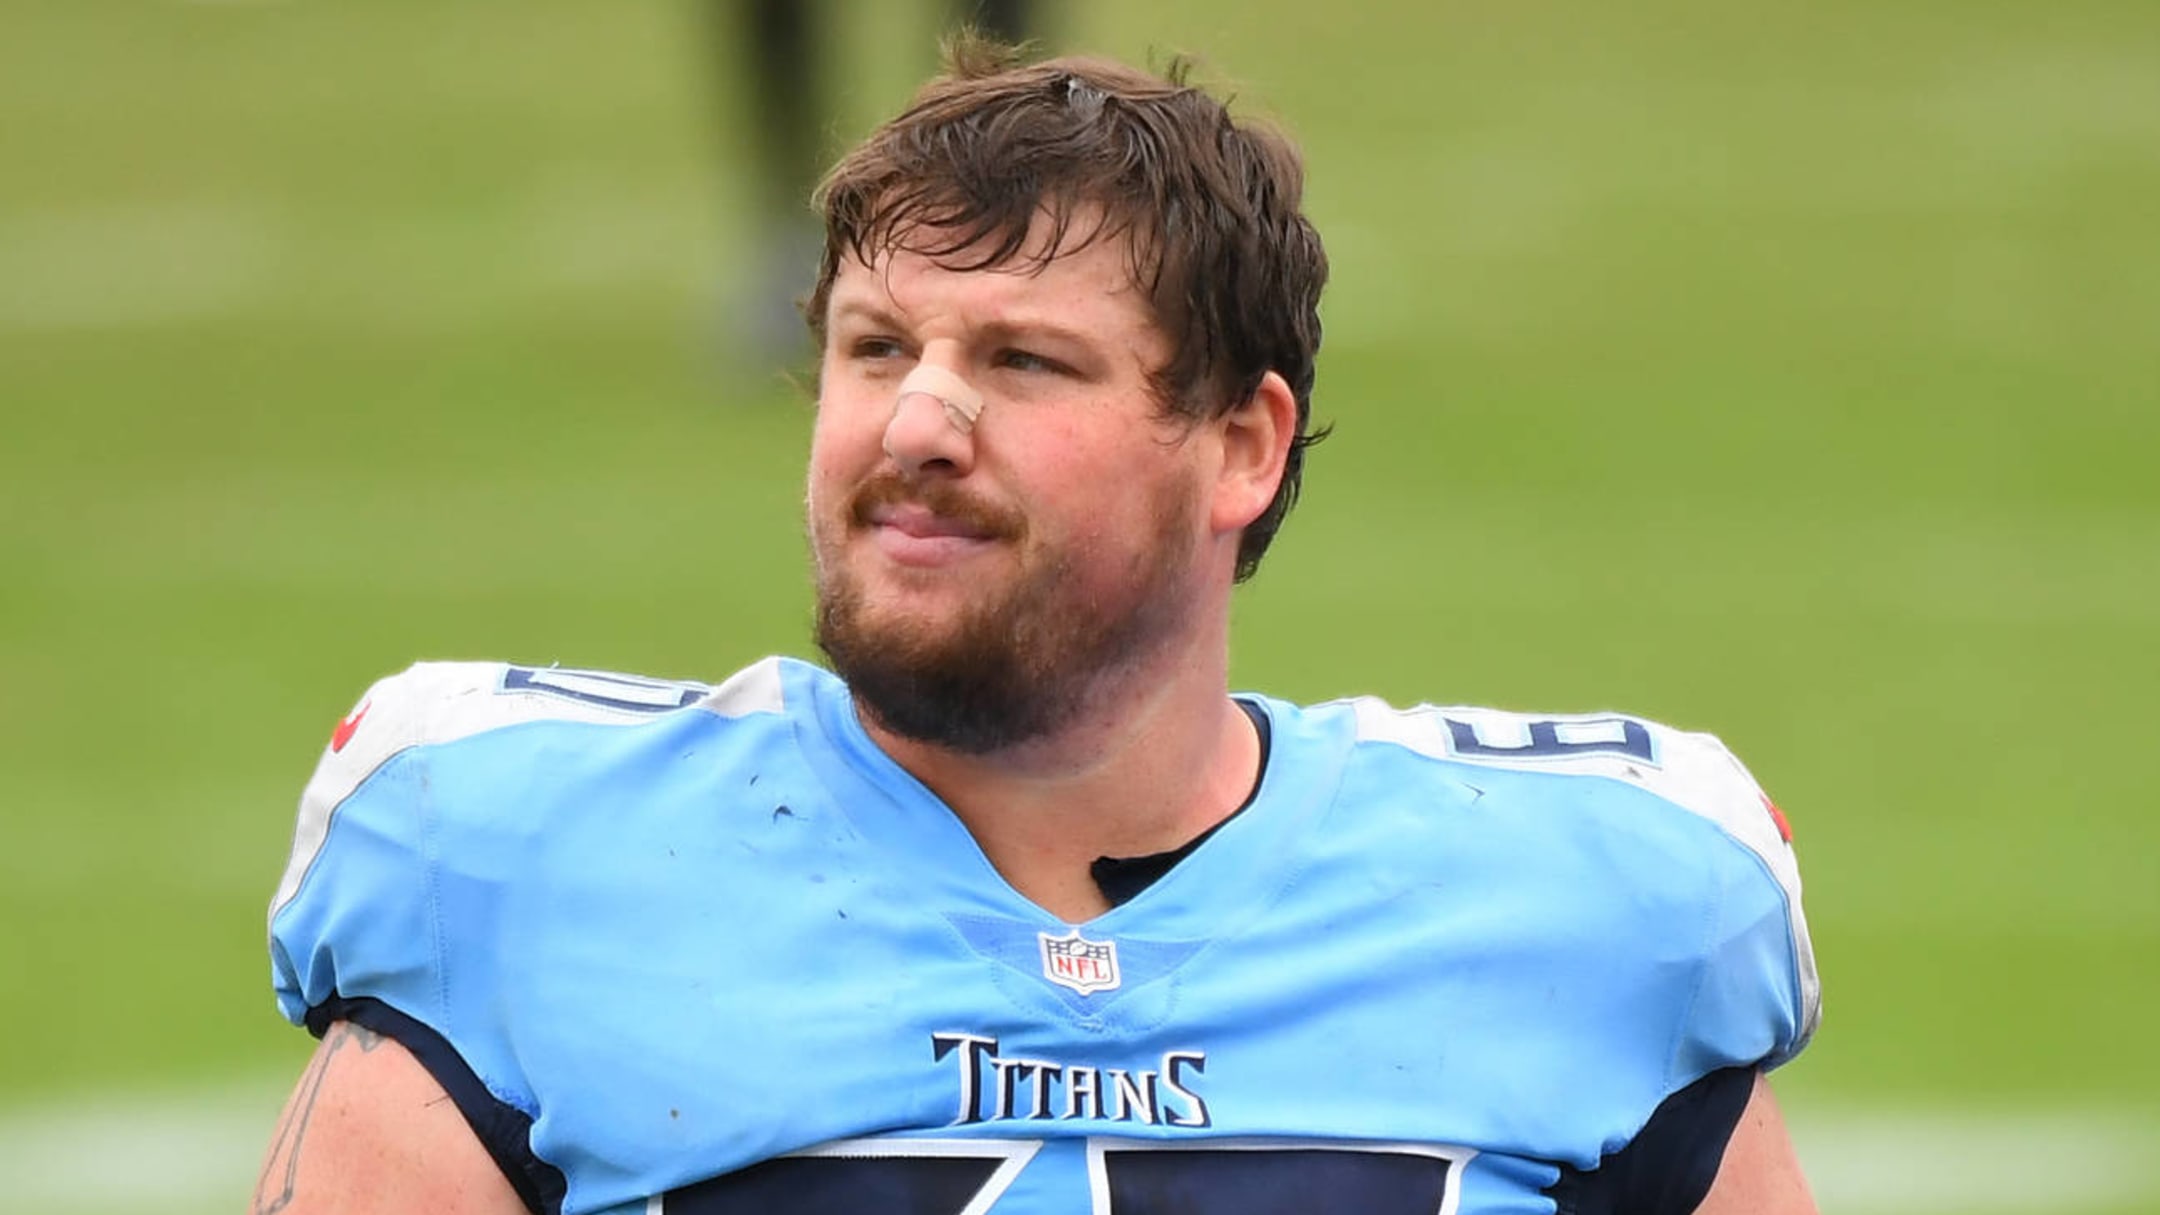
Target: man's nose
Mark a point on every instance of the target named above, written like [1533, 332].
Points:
[921, 437]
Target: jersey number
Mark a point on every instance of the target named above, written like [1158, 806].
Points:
[605, 688]
[967, 1177]
[1558, 738]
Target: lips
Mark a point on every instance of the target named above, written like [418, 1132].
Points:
[921, 523]
[922, 538]
[934, 510]
[929, 525]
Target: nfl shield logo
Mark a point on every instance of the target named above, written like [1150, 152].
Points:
[1076, 962]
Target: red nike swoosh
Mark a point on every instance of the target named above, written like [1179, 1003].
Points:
[346, 728]
[1784, 829]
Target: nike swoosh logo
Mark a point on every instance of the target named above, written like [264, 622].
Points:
[348, 727]
[1784, 829]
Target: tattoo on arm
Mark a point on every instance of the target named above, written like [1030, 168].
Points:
[274, 1191]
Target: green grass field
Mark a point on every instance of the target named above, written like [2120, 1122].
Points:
[1789, 371]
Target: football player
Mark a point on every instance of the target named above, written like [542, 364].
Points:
[1016, 909]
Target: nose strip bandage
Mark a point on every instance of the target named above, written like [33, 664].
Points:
[962, 403]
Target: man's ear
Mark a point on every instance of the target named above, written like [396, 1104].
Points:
[1255, 446]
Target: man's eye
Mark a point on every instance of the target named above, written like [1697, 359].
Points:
[1023, 360]
[875, 348]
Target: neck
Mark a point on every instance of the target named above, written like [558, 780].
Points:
[1158, 756]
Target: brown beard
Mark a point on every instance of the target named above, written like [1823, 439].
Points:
[1009, 670]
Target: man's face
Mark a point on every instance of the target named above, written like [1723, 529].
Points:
[974, 587]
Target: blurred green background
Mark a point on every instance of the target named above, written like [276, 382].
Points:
[1786, 370]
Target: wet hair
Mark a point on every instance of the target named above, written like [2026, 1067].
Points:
[1207, 206]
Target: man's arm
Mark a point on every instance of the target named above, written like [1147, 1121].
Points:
[369, 1132]
[1760, 1174]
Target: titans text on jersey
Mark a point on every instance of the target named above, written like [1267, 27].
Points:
[705, 949]
[994, 1087]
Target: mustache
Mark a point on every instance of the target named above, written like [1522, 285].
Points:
[941, 498]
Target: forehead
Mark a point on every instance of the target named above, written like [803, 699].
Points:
[1082, 269]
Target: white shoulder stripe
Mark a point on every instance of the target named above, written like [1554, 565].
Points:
[754, 689]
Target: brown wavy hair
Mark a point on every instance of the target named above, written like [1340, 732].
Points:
[1208, 207]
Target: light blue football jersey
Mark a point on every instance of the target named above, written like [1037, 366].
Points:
[1443, 955]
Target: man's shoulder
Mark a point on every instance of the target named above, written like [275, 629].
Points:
[500, 727]
[1605, 805]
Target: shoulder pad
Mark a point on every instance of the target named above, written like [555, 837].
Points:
[441, 702]
[1692, 771]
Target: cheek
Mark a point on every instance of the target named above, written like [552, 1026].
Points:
[826, 490]
[826, 458]
[849, 408]
[843, 445]
[1116, 518]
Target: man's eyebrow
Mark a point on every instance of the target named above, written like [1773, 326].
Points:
[859, 308]
[878, 314]
[1036, 328]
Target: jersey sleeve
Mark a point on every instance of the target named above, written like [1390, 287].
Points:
[360, 922]
[1757, 998]
[352, 916]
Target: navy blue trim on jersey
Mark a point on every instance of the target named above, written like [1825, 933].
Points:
[840, 1185]
[1669, 1165]
[503, 1129]
[1276, 1181]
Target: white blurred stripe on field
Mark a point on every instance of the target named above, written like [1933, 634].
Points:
[180, 1152]
[1879, 1161]
[166, 1150]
